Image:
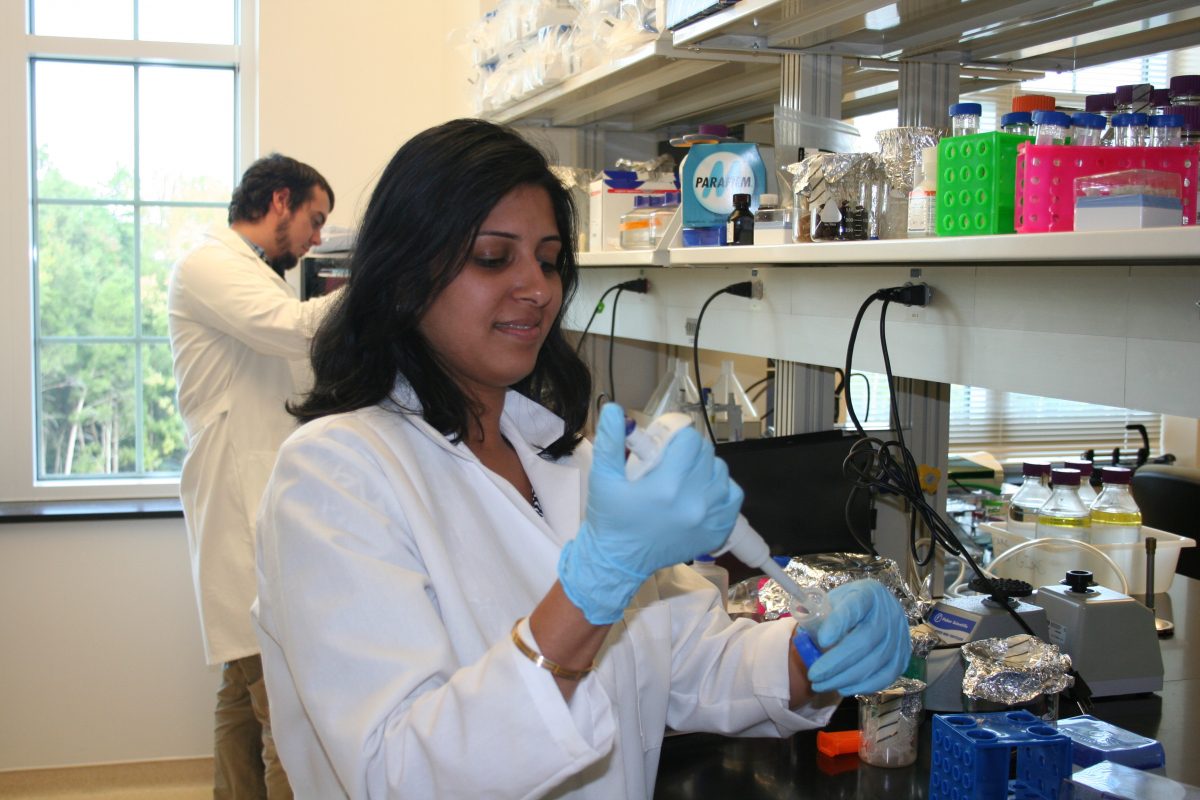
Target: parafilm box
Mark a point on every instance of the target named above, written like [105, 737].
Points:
[712, 174]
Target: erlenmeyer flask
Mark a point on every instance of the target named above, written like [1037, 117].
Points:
[728, 389]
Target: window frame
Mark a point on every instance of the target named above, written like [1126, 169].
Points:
[18, 434]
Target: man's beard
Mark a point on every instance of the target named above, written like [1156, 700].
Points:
[286, 258]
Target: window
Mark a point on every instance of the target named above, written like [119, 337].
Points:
[1013, 427]
[134, 108]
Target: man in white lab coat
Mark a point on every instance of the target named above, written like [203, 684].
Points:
[240, 339]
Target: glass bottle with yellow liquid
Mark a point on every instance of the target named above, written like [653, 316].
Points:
[1116, 518]
[1064, 516]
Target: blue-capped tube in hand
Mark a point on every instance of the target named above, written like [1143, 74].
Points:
[864, 640]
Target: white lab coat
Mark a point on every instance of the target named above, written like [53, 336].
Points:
[239, 338]
[392, 566]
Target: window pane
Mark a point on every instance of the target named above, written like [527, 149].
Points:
[83, 129]
[200, 21]
[96, 19]
[86, 424]
[186, 155]
[165, 439]
[85, 270]
[167, 234]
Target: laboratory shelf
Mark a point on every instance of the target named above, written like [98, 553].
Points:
[1157, 246]
[724, 68]
[625, 258]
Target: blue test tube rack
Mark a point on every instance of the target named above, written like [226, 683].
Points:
[972, 753]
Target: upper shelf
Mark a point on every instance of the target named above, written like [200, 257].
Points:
[1154, 246]
[724, 68]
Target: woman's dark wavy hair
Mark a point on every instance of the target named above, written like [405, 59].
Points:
[252, 196]
[415, 237]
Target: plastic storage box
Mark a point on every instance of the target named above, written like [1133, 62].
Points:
[1094, 740]
[976, 183]
[1046, 564]
[1046, 175]
[972, 752]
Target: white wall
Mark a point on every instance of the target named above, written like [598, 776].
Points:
[102, 658]
[342, 85]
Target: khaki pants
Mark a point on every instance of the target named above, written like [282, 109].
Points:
[246, 766]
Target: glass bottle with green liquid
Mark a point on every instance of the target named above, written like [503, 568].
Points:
[1116, 518]
[1064, 516]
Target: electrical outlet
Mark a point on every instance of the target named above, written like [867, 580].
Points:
[689, 327]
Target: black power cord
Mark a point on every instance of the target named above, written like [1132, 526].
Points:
[889, 467]
[639, 285]
[742, 289]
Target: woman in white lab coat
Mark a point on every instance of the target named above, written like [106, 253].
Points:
[458, 597]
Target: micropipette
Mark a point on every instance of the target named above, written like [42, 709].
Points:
[809, 604]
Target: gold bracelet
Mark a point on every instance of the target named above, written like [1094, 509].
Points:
[557, 670]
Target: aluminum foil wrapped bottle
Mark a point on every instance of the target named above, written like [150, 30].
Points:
[900, 149]
[838, 197]
[1018, 671]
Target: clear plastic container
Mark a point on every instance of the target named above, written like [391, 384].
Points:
[661, 216]
[1086, 493]
[1027, 502]
[635, 225]
[922, 200]
[1087, 129]
[964, 118]
[1116, 518]
[888, 724]
[771, 223]
[715, 574]
[1018, 122]
[1129, 130]
[1051, 127]
[1064, 516]
[1166, 130]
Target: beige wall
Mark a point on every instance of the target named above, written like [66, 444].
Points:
[343, 84]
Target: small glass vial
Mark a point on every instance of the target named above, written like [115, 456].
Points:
[1086, 493]
[922, 200]
[739, 227]
[1018, 122]
[1129, 130]
[1185, 90]
[715, 574]
[1027, 502]
[1166, 130]
[1064, 516]
[771, 223]
[1087, 129]
[1116, 518]
[1051, 127]
[635, 225]
[964, 118]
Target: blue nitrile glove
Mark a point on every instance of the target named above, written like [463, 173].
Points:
[684, 506]
[864, 639]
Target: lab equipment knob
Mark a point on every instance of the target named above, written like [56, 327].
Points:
[1079, 580]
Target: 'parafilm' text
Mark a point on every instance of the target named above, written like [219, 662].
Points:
[721, 183]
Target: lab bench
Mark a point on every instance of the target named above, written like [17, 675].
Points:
[708, 766]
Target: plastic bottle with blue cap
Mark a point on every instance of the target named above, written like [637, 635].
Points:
[964, 118]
